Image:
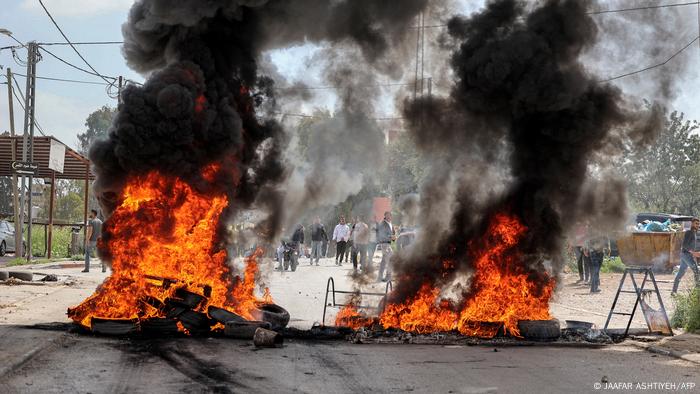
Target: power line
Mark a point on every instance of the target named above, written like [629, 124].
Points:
[77, 67]
[21, 103]
[71, 44]
[651, 7]
[65, 80]
[321, 116]
[84, 43]
[654, 66]
[328, 87]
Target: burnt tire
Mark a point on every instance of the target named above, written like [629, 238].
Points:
[117, 327]
[21, 275]
[274, 314]
[542, 330]
[222, 315]
[4, 275]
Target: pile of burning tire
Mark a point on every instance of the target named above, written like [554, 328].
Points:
[183, 316]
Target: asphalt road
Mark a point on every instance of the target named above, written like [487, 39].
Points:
[62, 362]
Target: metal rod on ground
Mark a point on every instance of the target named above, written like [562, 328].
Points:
[15, 193]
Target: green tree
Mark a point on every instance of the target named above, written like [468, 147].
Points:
[665, 176]
[69, 201]
[97, 124]
[405, 167]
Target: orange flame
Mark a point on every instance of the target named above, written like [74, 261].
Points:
[349, 316]
[502, 292]
[161, 238]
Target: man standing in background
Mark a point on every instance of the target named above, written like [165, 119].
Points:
[348, 246]
[360, 239]
[595, 250]
[318, 233]
[341, 234]
[688, 255]
[94, 228]
[583, 262]
[385, 234]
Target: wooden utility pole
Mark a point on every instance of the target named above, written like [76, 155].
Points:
[19, 249]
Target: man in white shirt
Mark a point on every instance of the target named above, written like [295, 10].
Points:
[341, 235]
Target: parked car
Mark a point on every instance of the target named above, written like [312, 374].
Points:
[7, 238]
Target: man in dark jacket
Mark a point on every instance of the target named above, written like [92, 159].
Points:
[385, 234]
[595, 249]
[688, 255]
[318, 235]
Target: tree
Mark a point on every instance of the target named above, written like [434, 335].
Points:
[97, 124]
[405, 167]
[665, 177]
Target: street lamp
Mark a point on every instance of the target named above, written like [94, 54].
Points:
[9, 34]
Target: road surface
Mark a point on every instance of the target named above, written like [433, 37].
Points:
[76, 363]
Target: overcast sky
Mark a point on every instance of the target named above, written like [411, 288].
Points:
[62, 107]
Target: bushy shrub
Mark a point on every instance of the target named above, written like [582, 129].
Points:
[612, 264]
[687, 313]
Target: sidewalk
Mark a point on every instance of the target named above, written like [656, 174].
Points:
[684, 346]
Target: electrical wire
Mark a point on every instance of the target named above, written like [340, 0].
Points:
[16, 40]
[71, 44]
[83, 43]
[654, 66]
[65, 80]
[15, 57]
[329, 87]
[651, 7]
[21, 104]
[77, 67]
[316, 116]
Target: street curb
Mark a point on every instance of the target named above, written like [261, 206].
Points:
[666, 352]
[16, 364]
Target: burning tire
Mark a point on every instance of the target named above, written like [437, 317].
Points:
[274, 314]
[540, 329]
[222, 315]
[159, 327]
[119, 327]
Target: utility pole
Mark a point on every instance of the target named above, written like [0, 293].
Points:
[30, 100]
[19, 248]
[418, 36]
[119, 92]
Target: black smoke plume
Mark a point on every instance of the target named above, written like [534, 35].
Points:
[518, 131]
[198, 104]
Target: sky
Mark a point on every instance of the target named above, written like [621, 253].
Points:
[61, 108]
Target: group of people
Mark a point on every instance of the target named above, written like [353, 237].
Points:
[590, 251]
[360, 242]
[355, 242]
